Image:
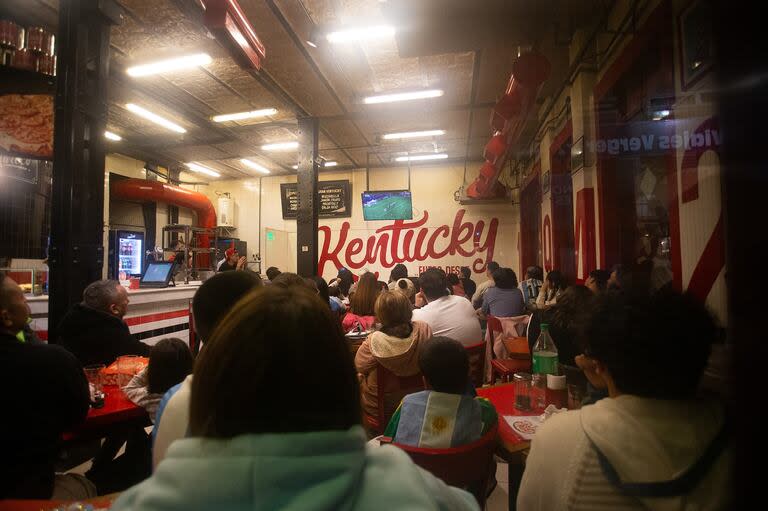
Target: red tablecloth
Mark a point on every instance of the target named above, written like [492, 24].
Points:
[503, 398]
[117, 409]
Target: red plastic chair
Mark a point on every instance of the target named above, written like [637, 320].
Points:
[470, 466]
[519, 354]
[391, 391]
[476, 355]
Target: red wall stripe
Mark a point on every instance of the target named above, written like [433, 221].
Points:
[710, 264]
[160, 316]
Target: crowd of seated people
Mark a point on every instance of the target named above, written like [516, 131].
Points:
[271, 345]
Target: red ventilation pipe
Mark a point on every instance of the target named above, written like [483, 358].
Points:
[508, 118]
[141, 190]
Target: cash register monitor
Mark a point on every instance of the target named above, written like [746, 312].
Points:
[157, 274]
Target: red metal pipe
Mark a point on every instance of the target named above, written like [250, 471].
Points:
[141, 190]
[529, 71]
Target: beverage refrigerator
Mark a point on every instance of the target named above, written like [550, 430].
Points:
[126, 253]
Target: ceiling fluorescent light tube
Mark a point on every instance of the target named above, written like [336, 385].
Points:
[403, 96]
[413, 134]
[150, 116]
[280, 146]
[255, 166]
[238, 116]
[112, 136]
[202, 170]
[174, 64]
[360, 34]
[422, 157]
[330, 164]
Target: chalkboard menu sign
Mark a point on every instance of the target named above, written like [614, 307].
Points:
[334, 197]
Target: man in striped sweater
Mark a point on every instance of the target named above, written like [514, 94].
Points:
[652, 444]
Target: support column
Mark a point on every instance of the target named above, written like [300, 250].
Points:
[77, 205]
[306, 219]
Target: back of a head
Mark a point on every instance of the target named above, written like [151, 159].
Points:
[434, 283]
[601, 278]
[170, 361]
[101, 294]
[406, 287]
[534, 272]
[556, 280]
[322, 287]
[288, 279]
[452, 279]
[505, 278]
[347, 279]
[398, 272]
[363, 300]
[655, 347]
[214, 299]
[273, 346]
[393, 309]
[573, 308]
[492, 266]
[272, 272]
[445, 365]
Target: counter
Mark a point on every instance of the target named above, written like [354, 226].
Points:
[153, 314]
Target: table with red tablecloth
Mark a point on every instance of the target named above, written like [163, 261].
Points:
[117, 410]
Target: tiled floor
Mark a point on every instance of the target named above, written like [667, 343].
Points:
[499, 499]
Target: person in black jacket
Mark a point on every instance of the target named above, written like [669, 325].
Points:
[94, 330]
[45, 393]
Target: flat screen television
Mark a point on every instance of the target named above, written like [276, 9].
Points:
[387, 205]
[157, 274]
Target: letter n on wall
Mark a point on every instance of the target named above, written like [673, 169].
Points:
[585, 232]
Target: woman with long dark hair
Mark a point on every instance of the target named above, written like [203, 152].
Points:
[554, 284]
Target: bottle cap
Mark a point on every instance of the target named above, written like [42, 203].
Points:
[556, 381]
[545, 326]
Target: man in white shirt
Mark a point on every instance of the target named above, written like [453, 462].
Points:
[477, 298]
[447, 315]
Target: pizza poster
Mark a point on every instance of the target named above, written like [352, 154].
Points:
[26, 125]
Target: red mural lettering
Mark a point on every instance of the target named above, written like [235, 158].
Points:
[382, 247]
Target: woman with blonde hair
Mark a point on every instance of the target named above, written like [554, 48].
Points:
[395, 346]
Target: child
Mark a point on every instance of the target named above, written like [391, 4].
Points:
[444, 416]
[170, 361]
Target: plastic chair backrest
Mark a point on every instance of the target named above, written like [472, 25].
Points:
[391, 391]
[468, 466]
[476, 355]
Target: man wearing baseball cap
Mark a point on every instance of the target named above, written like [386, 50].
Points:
[232, 260]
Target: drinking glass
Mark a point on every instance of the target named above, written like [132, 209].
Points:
[93, 373]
